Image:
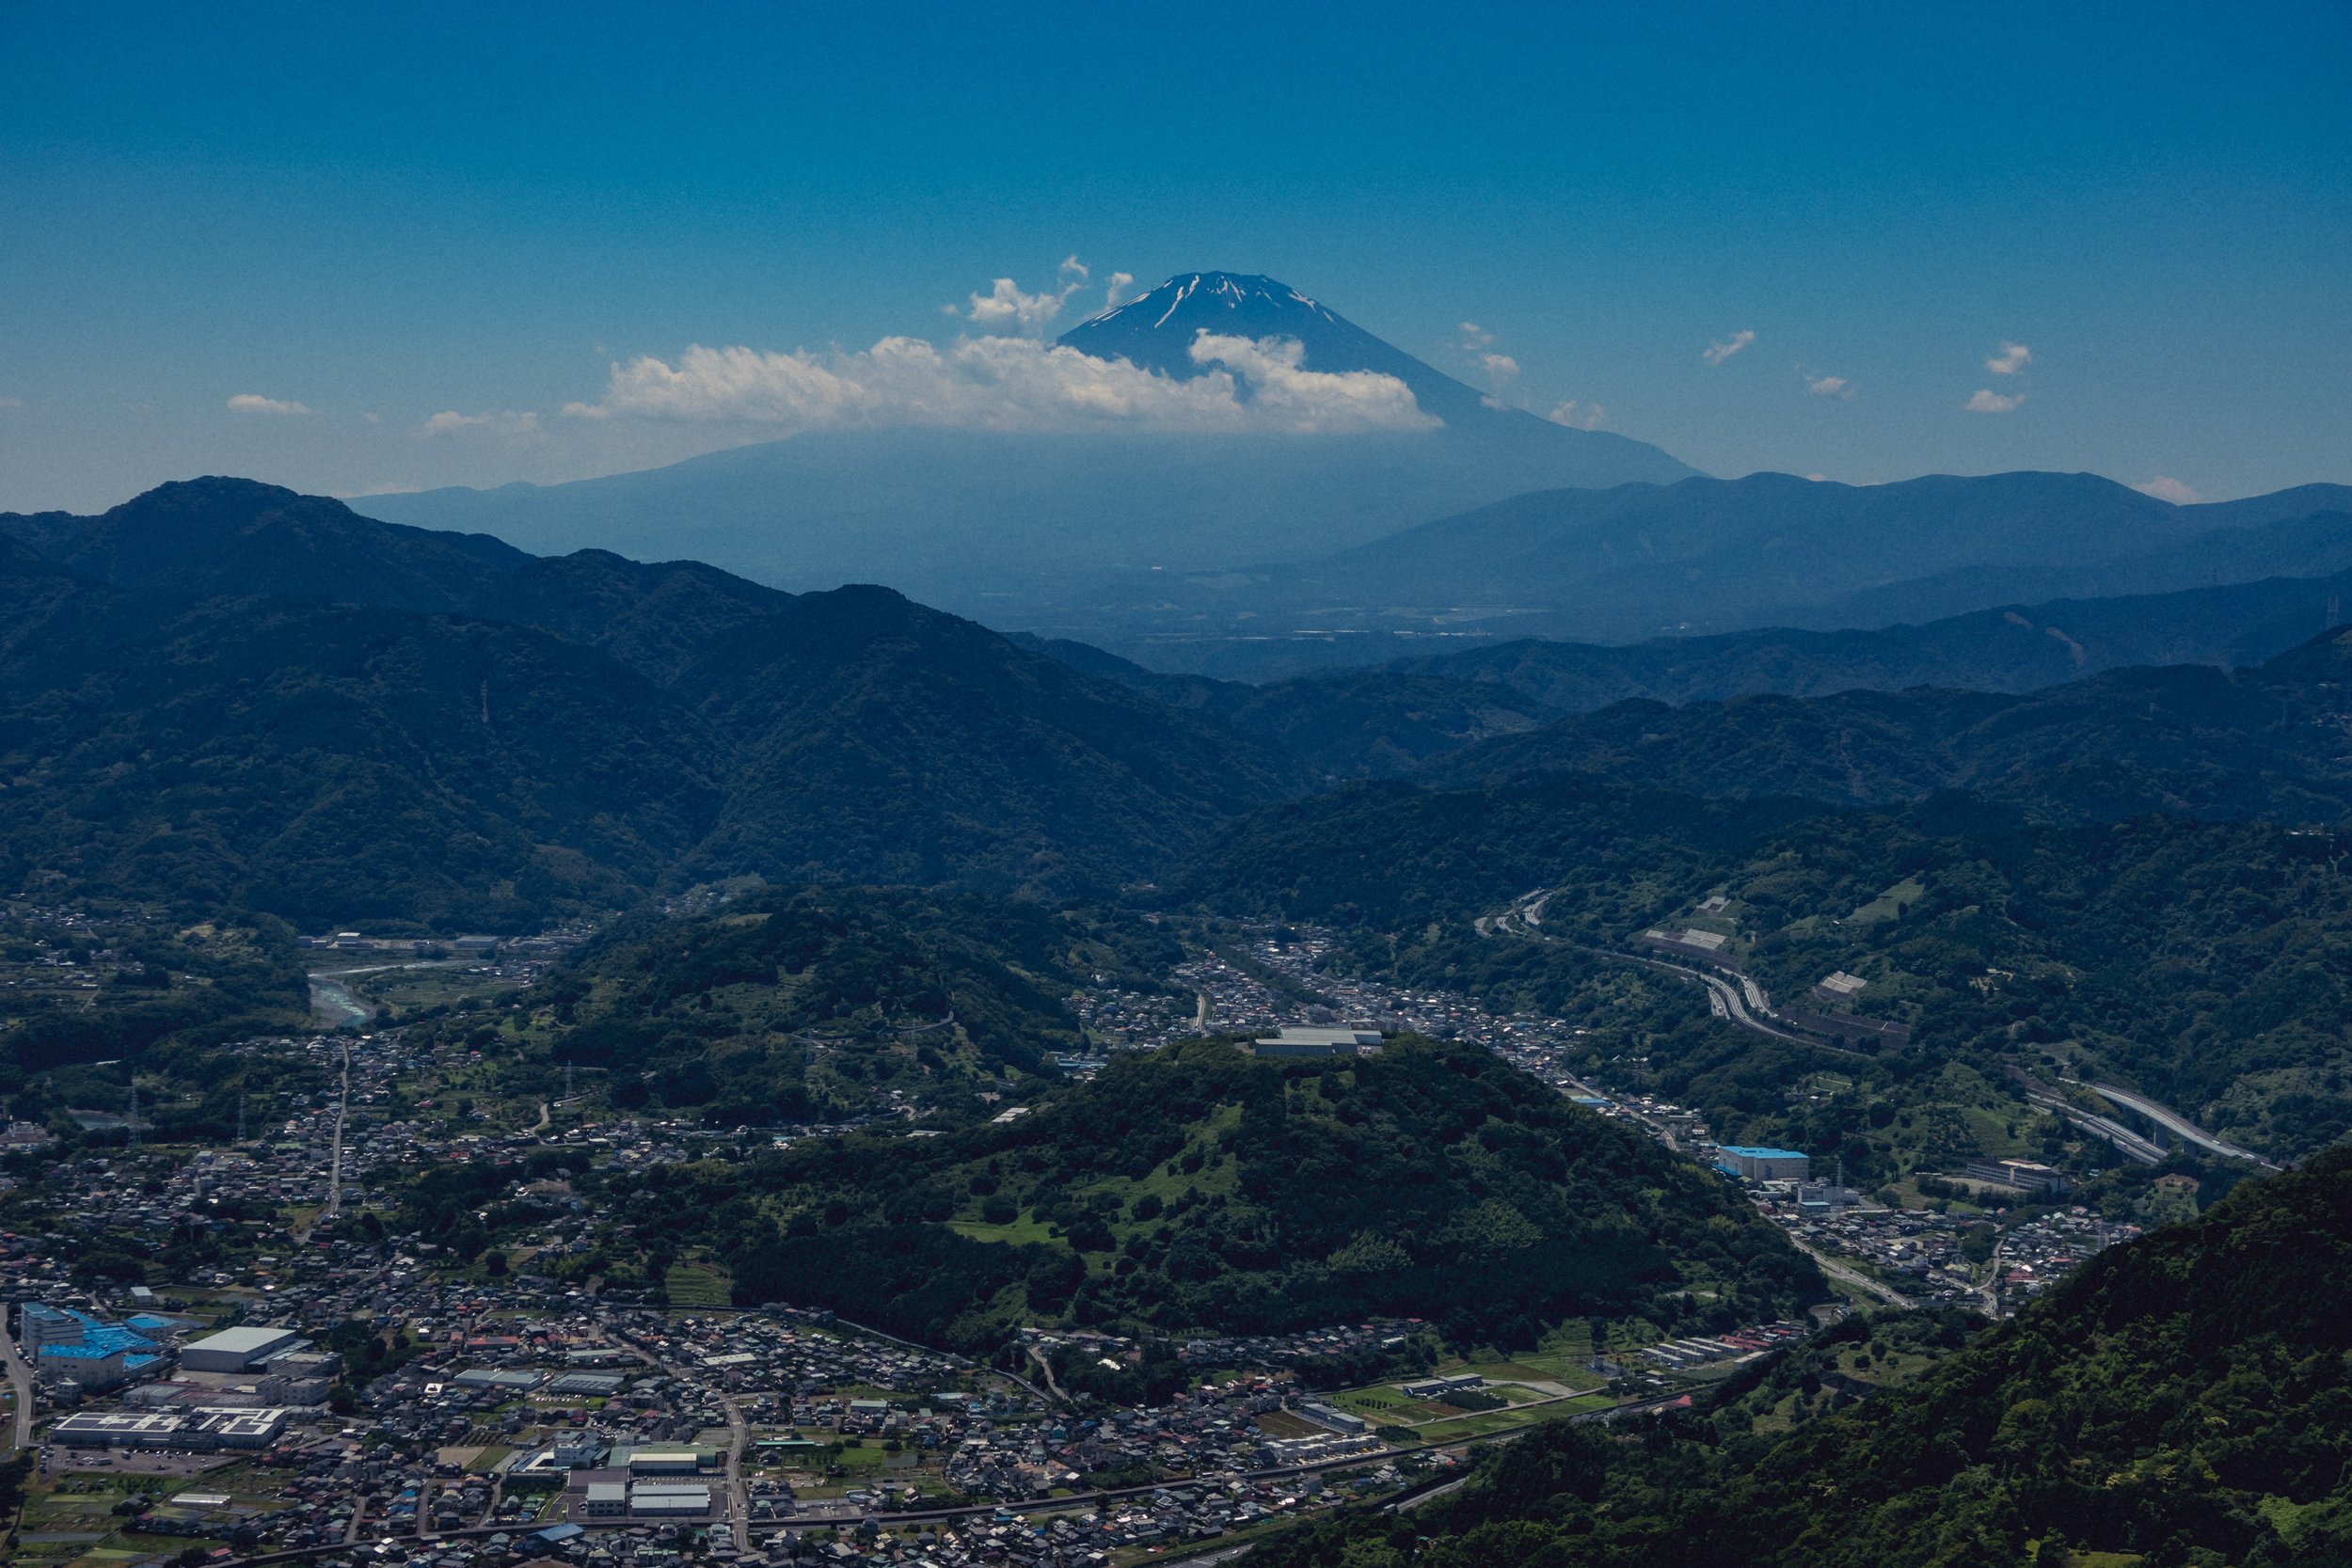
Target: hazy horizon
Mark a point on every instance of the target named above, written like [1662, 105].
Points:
[351, 254]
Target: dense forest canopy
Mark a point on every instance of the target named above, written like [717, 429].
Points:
[1201, 1188]
[2184, 1400]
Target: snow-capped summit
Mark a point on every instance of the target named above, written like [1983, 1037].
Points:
[1156, 332]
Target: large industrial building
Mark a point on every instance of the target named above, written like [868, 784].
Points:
[238, 1350]
[197, 1431]
[1764, 1164]
[1293, 1040]
[88, 1352]
[2025, 1175]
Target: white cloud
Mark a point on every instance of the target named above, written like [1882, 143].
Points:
[253, 403]
[1716, 353]
[1818, 479]
[12, 402]
[1826, 386]
[2166, 488]
[1989, 402]
[1116, 294]
[1298, 399]
[1008, 384]
[2012, 360]
[507, 423]
[1577, 416]
[1502, 370]
[1004, 305]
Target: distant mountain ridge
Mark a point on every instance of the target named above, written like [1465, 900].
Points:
[1706, 556]
[1016, 527]
[1388, 720]
[226, 692]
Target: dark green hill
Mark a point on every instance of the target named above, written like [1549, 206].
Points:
[657, 619]
[435, 730]
[335, 765]
[215, 537]
[2202, 961]
[2186, 739]
[883, 741]
[2182, 1400]
[1198, 1187]
[1384, 720]
[818, 1004]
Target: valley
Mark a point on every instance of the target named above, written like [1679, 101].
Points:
[977, 1088]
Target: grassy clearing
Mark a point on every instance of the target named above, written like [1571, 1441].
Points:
[1886, 906]
[1485, 1424]
[1506, 1371]
[1281, 1423]
[1024, 1228]
[699, 1284]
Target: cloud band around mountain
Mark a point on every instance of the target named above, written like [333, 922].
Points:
[1010, 384]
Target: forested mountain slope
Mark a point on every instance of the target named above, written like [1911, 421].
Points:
[797, 1005]
[2182, 1400]
[2202, 961]
[1198, 1187]
[1706, 556]
[436, 731]
[2263, 743]
[1386, 720]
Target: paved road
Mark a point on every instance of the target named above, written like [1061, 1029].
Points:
[1741, 1003]
[2178, 1125]
[739, 1495]
[21, 1379]
[738, 1515]
[1045, 1369]
[2128, 1143]
[1836, 1268]
[335, 1162]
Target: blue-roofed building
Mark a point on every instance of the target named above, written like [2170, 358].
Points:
[88, 1350]
[539, 1542]
[1764, 1164]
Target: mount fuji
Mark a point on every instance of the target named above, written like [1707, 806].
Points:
[1016, 527]
[1156, 332]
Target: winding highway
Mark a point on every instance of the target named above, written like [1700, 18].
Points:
[2179, 1126]
[1742, 1004]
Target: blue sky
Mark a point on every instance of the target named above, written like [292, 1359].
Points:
[382, 214]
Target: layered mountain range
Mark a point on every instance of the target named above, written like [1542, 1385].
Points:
[227, 692]
[1268, 549]
[1019, 526]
